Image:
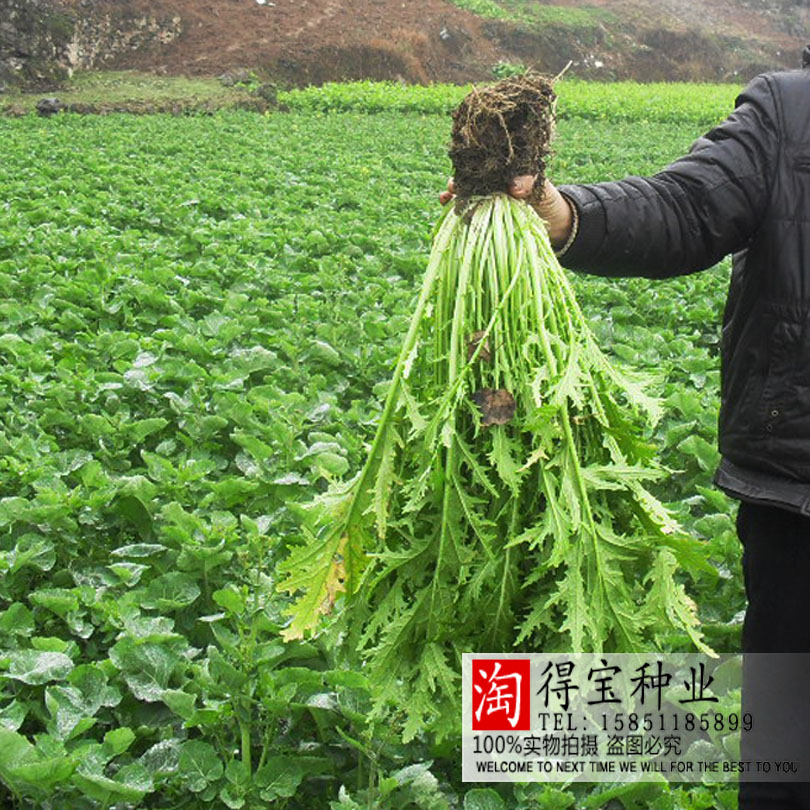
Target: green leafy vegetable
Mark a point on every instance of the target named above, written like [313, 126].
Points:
[503, 500]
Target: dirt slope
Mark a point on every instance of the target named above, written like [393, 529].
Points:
[311, 41]
[317, 40]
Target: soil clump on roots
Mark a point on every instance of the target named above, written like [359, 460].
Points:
[500, 132]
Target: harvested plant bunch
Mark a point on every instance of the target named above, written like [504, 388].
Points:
[503, 501]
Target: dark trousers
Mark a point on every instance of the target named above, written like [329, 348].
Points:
[776, 570]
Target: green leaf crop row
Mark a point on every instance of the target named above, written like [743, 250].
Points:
[171, 304]
[702, 105]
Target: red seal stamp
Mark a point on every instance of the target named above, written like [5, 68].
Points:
[501, 694]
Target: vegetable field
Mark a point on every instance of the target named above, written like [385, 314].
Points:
[199, 319]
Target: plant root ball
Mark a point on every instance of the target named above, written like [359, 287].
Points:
[502, 131]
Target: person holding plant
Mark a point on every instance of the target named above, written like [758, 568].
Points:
[744, 189]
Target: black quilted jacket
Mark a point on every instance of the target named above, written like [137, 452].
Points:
[744, 188]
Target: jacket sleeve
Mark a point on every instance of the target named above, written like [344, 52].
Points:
[690, 215]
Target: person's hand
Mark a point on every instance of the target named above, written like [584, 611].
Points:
[446, 196]
[555, 211]
[520, 188]
[553, 208]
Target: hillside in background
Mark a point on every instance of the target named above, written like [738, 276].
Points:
[313, 41]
